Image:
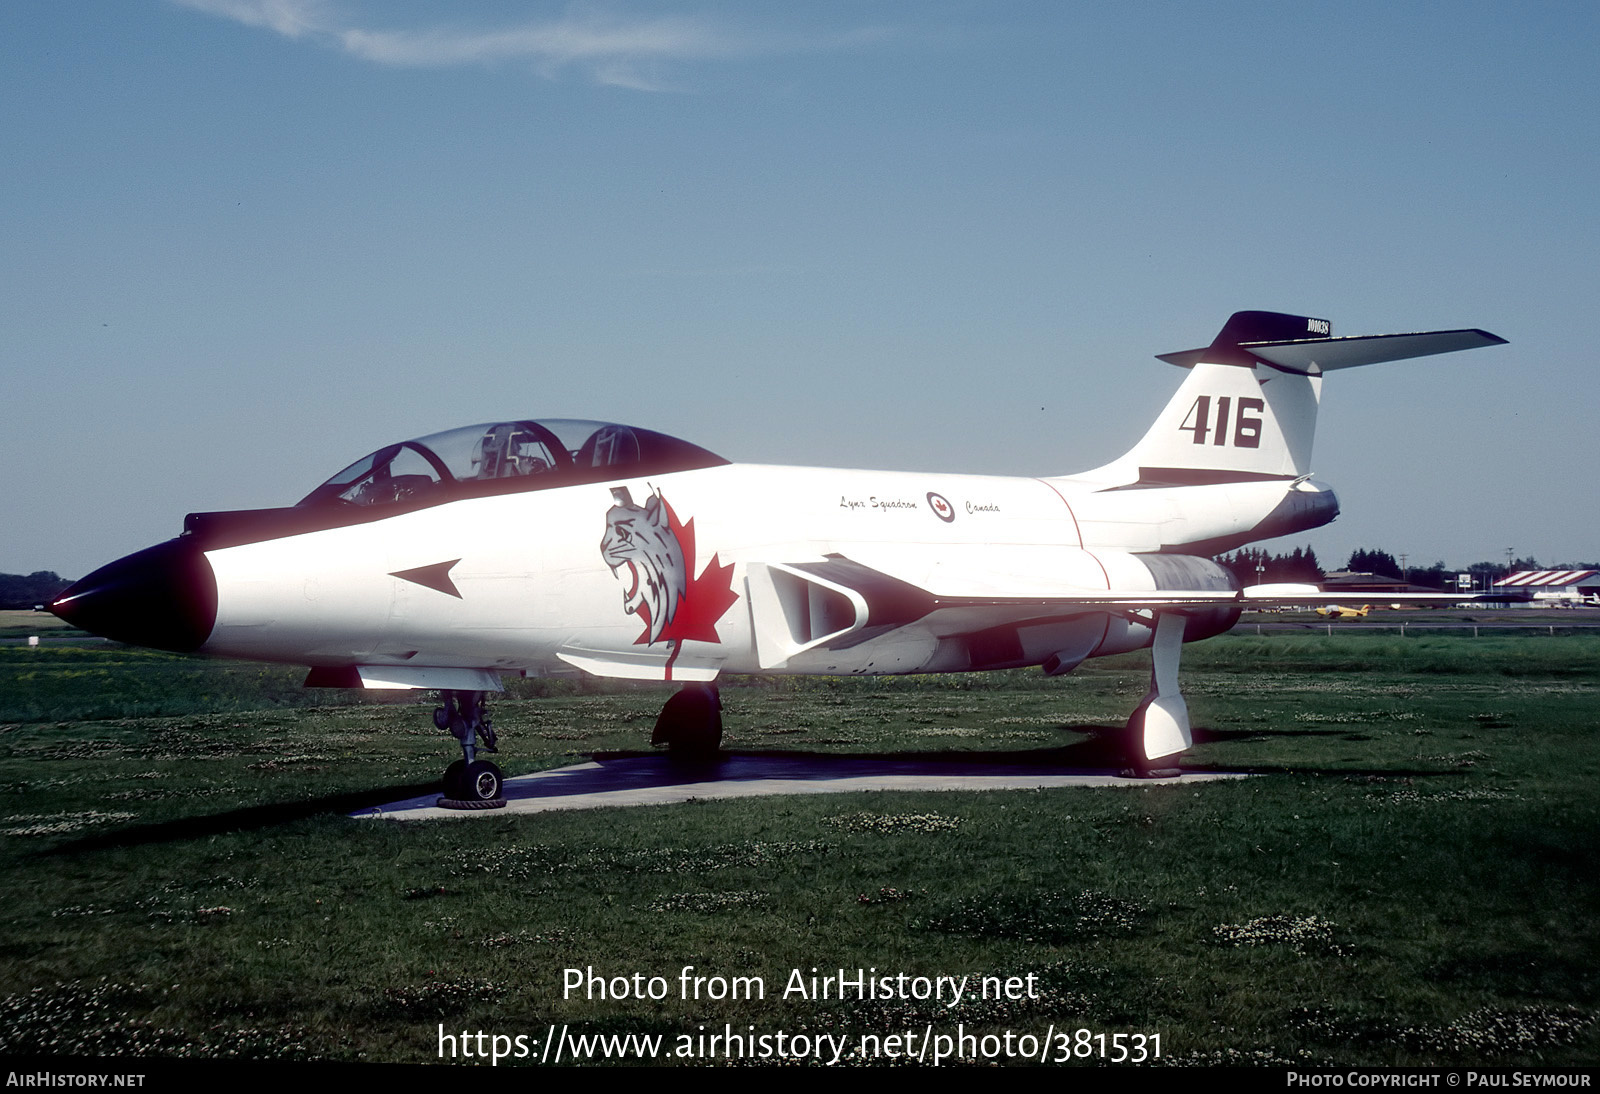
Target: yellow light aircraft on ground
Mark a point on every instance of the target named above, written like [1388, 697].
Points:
[1345, 611]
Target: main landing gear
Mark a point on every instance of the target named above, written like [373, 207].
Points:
[1158, 730]
[691, 722]
[469, 783]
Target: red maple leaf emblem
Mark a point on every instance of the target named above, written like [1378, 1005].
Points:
[707, 599]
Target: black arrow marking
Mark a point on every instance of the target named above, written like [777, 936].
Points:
[434, 576]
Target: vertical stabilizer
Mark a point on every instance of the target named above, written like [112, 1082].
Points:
[1248, 409]
[1234, 418]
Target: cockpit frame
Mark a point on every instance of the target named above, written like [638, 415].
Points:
[491, 458]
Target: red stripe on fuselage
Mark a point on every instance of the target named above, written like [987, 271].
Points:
[1076, 530]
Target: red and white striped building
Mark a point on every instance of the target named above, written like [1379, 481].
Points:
[1554, 586]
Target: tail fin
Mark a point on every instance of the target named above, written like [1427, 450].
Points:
[1248, 409]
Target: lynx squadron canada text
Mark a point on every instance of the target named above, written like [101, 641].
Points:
[537, 546]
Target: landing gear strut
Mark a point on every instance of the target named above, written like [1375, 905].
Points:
[691, 722]
[469, 783]
[1159, 730]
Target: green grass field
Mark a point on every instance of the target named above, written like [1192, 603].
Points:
[1411, 878]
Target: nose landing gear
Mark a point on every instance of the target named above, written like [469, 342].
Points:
[469, 783]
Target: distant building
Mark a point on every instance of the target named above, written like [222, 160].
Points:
[1379, 585]
[1545, 588]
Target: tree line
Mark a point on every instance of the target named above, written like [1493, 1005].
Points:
[1253, 566]
[26, 590]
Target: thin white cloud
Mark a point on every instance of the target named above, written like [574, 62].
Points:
[610, 49]
[290, 18]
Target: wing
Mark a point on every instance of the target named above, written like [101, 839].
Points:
[836, 602]
[1309, 596]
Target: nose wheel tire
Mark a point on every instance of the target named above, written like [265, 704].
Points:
[478, 785]
[482, 781]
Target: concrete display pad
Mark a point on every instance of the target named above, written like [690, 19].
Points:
[661, 780]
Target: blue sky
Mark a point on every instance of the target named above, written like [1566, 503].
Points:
[247, 241]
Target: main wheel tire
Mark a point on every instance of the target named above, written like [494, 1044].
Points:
[691, 721]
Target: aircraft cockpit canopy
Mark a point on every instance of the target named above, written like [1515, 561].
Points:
[503, 457]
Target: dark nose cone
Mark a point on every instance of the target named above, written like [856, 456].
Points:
[164, 597]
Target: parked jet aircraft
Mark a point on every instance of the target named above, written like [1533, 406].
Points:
[539, 546]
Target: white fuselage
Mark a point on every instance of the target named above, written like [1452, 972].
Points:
[537, 593]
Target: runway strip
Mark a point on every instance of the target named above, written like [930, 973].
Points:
[662, 780]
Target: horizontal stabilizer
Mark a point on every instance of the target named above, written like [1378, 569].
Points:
[1313, 356]
[1248, 408]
